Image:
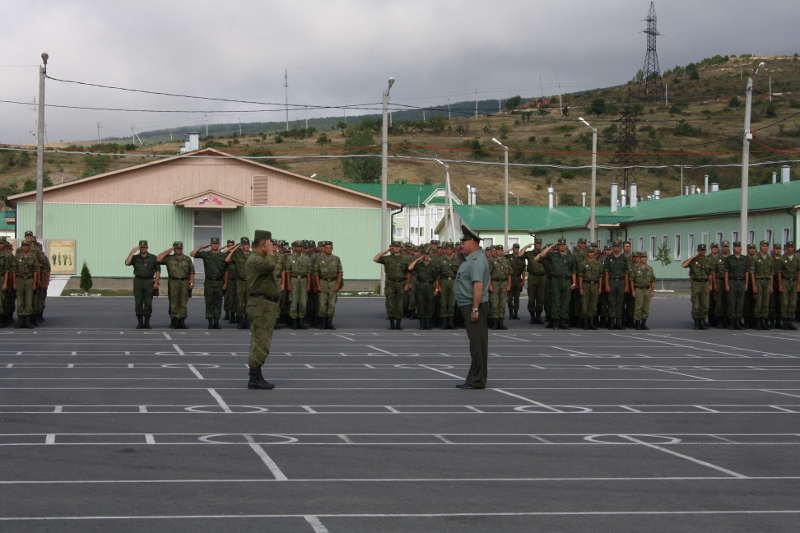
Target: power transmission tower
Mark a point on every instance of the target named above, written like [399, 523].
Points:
[626, 143]
[651, 87]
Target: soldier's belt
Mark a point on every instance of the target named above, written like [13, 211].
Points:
[617, 279]
[334, 279]
[516, 275]
[426, 282]
[643, 286]
[242, 279]
[700, 280]
[736, 279]
[591, 282]
[561, 277]
[144, 277]
[298, 277]
[24, 277]
[213, 279]
[537, 275]
[265, 297]
[177, 279]
[762, 279]
[448, 278]
[499, 279]
[396, 280]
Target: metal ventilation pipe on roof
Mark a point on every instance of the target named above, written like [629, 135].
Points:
[774, 177]
[584, 198]
[656, 194]
[715, 187]
[469, 195]
[785, 174]
[550, 192]
[693, 190]
[624, 199]
[686, 191]
[706, 184]
[614, 201]
[194, 142]
[634, 194]
[474, 195]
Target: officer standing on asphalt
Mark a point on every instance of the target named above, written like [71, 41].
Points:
[643, 288]
[472, 298]
[499, 287]
[790, 285]
[214, 266]
[701, 273]
[298, 270]
[773, 320]
[590, 282]
[517, 272]
[329, 280]
[229, 281]
[395, 266]
[448, 268]
[180, 270]
[263, 305]
[146, 275]
[427, 286]
[40, 290]
[736, 285]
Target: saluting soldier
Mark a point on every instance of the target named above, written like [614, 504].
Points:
[180, 270]
[563, 273]
[395, 266]
[230, 283]
[328, 272]
[448, 268]
[736, 285]
[774, 315]
[790, 285]
[749, 295]
[237, 256]
[298, 268]
[214, 266]
[263, 305]
[146, 276]
[590, 284]
[643, 287]
[701, 273]
[720, 293]
[40, 290]
[427, 274]
[499, 287]
[536, 281]
[616, 278]
[517, 272]
[761, 275]
[24, 277]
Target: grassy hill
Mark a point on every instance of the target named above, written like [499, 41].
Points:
[700, 125]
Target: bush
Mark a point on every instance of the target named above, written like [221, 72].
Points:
[685, 129]
[734, 102]
[86, 278]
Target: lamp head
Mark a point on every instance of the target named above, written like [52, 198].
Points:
[45, 57]
[759, 68]
[391, 82]
[314, 175]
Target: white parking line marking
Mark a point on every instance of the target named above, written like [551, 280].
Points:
[279, 476]
[316, 524]
[220, 401]
[195, 372]
[683, 456]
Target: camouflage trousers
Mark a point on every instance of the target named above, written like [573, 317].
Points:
[143, 296]
[699, 300]
[641, 309]
[735, 299]
[536, 286]
[589, 299]
[447, 298]
[297, 307]
[212, 293]
[516, 290]
[263, 314]
[327, 299]
[24, 297]
[498, 299]
[789, 298]
[762, 298]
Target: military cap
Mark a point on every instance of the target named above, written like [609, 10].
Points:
[606, 248]
[29, 233]
[562, 241]
[591, 248]
[617, 242]
[701, 247]
[231, 241]
[311, 243]
[789, 244]
[177, 244]
[142, 243]
[498, 247]
[214, 240]
[727, 243]
[394, 243]
[287, 249]
[434, 241]
[737, 243]
[776, 246]
[515, 245]
[468, 235]
[25, 243]
[537, 240]
[425, 251]
[582, 241]
[751, 246]
[325, 243]
[448, 244]
[763, 242]
[246, 240]
[297, 243]
[714, 245]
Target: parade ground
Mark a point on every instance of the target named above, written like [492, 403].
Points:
[107, 428]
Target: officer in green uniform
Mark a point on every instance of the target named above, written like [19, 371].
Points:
[180, 270]
[615, 267]
[472, 298]
[427, 286]
[562, 273]
[761, 276]
[263, 305]
[24, 277]
[448, 268]
[312, 305]
[790, 285]
[537, 280]
[628, 301]
[643, 288]
[328, 276]
[395, 266]
[590, 282]
[701, 273]
[517, 271]
[602, 300]
[237, 256]
[229, 280]
[410, 306]
[146, 276]
[499, 287]
[749, 296]
[736, 285]
[214, 284]
[774, 314]
[298, 284]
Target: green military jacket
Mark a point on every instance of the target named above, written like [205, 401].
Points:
[328, 267]
[700, 268]
[534, 267]
[260, 272]
[560, 265]
[762, 267]
[298, 265]
[642, 275]
[517, 264]
[396, 266]
[616, 267]
[25, 266]
[178, 267]
[145, 267]
[238, 260]
[500, 269]
[426, 272]
[790, 266]
[213, 263]
[718, 261]
[590, 270]
[448, 268]
[736, 267]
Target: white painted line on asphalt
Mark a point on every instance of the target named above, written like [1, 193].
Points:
[346, 439]
[149, 438]
[528, 400]
[782, 409]
[683, 456]
[780, 392]
[379, 350]
[682, 374]
[309, 409]
[392, 409]
[142, 408]
[705, 409]
[58, 409]
[343, 337]
[195, 372]
[475, 409]
[316, 524]
[440, 371]
[540, 439]
[279, 476]
[573, 351]
[220, 401]
[441, 438]
[167, 335]
[178, 349]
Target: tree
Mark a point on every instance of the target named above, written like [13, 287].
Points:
[360, 169]
[663, 256]
[598, 106]
[513, 102]
[95, 164]
[734, 102]
[504, 129]
[86, 278]
[437, 123]
[565, 110]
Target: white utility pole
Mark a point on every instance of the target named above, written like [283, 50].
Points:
[448, 109]
[476, 104]
[286, 89]
[384, 170]
[306, 116]
[505, 199]
[666, 94]
[99, 138]
[560, 103]
[206, 124]
[748, 136]
[592, 220]
[40, 150]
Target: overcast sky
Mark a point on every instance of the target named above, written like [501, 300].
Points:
[341, 52]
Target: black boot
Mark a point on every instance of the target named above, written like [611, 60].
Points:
[173, 323]
[610, 322]
[644, 325]
[227, 315]
[210, 323]
[565, 324]
[592, 324]
[257, 380]
[696, 324]
[182, 324]
[392, 323]
[449, 324]
[422, 323]
[216, 324]
[584, 324]
[20, 322]
[147, 322]
[637, 324]
[759, 325]
[396, 324]
[292, 323]
[428, 324]
[731, 324]
[234, 319]
[501, 324]
[621, 323]
[789, 324]
[515, 315]
[139, 322]
[443, 323]
[240, 322]
[301, 323]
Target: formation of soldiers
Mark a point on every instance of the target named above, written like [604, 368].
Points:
[26, 276]
[758, 289]
[309, 276]
[565, 288]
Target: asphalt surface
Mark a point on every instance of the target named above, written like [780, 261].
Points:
[104, 427]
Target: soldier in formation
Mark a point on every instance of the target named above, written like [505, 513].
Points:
[395, 267]
[214, 266]
[146, 276]
[180, 270]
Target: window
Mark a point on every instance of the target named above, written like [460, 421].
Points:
[487, 241]
[401, 214]
[751, 236]
[690, 248]
[705, 238]
[641, 244]
[678, 246]
[422, 232]
[734, 237]
[398, 233]
[787, 235]
[512, 241]
[653, 247]
[768, 236]
[720, 237]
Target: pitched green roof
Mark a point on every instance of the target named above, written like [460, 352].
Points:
[409, 193]
[520, 217]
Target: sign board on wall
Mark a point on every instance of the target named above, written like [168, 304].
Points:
[62, 256]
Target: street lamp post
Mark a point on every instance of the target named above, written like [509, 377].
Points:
[40, 150]
[515, 196]
[448, 201]
[505, 196]
[592, 221]
[748, 136]
[384, 173]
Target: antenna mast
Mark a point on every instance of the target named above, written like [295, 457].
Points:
[651, 87]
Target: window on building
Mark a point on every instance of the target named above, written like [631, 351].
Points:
[512, 241]
[751, 236]
[705, 238]
[401, 214]
[653, 248]
[787, 235]
[720, 237]
[768, 237]
[678, 246]
[641, 244]
[421, 233]
[398, 233]
[487, 241]
[734, 237]
[690, 245]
